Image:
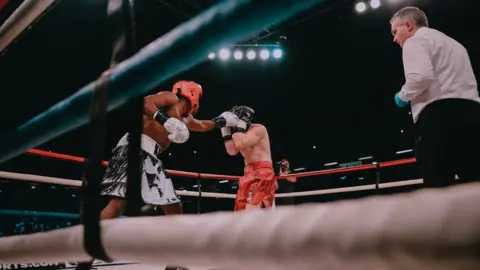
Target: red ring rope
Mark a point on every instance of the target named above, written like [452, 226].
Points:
[59, 156]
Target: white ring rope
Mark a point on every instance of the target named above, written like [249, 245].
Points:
[428, 229]
[78, 183]
[21, 19]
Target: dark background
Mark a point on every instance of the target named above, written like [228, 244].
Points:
[333, 90]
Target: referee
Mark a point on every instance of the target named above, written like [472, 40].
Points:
[441, 88]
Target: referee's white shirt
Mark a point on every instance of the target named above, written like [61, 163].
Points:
[436, 67]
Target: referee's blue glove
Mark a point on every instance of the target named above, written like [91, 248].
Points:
[400, 103]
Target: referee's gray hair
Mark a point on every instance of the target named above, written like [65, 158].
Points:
[411, 13]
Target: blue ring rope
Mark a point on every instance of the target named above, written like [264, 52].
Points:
[179, 50]
[40, 214]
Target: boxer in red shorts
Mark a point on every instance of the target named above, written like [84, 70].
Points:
[257, 186]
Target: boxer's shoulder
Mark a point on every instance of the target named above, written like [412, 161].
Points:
[166, 94]
[258, 127]
[162, 99]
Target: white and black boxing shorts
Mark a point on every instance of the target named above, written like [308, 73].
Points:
[157, 187]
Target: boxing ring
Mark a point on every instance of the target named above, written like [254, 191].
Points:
[427, 229]
[410, 232]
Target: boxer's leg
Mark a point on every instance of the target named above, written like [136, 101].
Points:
[161, 193]
[172, 209]
[114, 209]
[114, 187]
[269, 200]
[253, 206]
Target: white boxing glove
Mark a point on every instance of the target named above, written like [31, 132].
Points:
[226, 133]
[179, 132]
[226, 119]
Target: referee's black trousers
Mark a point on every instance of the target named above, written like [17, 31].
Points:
[448, 142]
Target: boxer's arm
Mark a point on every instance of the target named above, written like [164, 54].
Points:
[153, 103]
[250, 138]
[198, 125]
[230, 147]
[227, 139]
[161, 108]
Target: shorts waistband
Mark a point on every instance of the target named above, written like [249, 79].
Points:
[148, 144]
[252, 166]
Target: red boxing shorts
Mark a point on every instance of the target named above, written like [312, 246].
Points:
[257, 185]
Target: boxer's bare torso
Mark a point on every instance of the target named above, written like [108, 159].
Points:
[254, 145]
[156, 131]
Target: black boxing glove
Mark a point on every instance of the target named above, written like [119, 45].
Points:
[245, 116]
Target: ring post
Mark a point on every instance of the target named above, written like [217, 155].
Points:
[199, 188]
[378, 178]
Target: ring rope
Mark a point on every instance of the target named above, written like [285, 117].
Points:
[22, 19]
[48, 154]
[39, 214]
[393, 232]
[77, 183]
